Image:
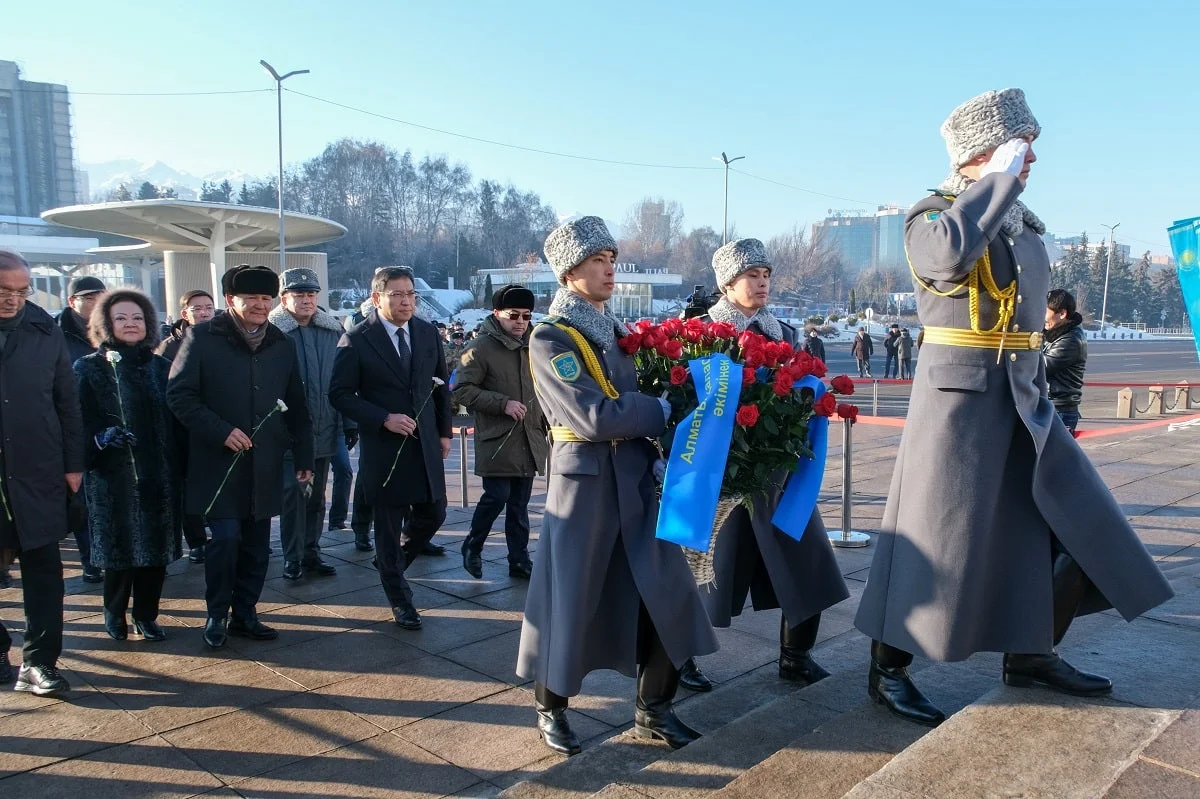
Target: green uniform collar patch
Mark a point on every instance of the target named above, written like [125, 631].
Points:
[567, 367]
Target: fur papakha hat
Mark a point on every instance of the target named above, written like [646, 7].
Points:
[571, 243]
[736, 257]
[247, 279]
[985, 122]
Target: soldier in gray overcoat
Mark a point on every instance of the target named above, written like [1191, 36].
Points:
[998, 530]
[752, 556]
[605, 593]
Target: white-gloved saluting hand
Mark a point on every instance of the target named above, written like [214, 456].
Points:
[1008, 158]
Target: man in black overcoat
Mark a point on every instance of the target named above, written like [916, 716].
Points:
[390, 377]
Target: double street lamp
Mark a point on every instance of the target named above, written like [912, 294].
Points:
[726, 160]
[279, 79]
[1104, 305]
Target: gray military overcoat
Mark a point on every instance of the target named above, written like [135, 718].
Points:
[597, 560]
[755, 557]
[986, 472]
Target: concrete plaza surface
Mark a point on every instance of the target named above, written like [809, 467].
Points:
[345, 703]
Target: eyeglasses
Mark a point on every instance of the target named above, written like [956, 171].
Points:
[401, 295]
[19, 294]
[513, 316]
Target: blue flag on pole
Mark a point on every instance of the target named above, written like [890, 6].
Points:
[1185, 245]
[696, 467]
[804, 486]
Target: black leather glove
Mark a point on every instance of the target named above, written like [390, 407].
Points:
[115, 437]
[351, 439]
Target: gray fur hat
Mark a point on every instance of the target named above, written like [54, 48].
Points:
[985, 122]
[736, 257]
[571, 243]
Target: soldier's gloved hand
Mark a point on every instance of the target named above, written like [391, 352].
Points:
[666, 409]
[114, 437]
[660, 470]
[1008, 158]
[351, 439]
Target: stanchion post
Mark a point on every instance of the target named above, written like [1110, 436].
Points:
[874, 397]
[462, 462]
[847, 537]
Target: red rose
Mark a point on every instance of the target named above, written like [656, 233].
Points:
[748, 376]
[672, 327]
[692, 336]
[753, 358]
[643, 326]
[655, 336]
[672, 349]
[842, 384]
[801, 364]
[722, 330]
[747, 416]
[631, 343]
[782, 386]
[848, 411]
[752, 341]
[786, 351]
[825, 406]
[818, 368]
[679, 375]
[696, 325]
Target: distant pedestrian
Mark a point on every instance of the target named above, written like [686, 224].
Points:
[1064, 348]
[813, 344]
[861, 349]
[496, 384]
[226, 387]
[195, 306]
[73, 321]
[132, 481]
[41, 466]
[891, 361]
[315, 334]
[905, 348]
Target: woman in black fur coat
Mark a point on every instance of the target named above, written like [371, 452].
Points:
[132, 480]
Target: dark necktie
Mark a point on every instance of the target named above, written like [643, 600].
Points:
[404, 351]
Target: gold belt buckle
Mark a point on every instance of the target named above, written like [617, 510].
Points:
[1035, 341]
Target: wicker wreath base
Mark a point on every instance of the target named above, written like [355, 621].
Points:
[701, 563]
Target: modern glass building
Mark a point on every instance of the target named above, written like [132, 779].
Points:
[633, 296]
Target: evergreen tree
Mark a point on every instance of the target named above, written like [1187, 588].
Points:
[122, 194]
[487, 291]
[147, 191]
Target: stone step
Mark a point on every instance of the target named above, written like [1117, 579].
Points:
[618, 758]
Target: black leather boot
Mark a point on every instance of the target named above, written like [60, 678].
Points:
[653, 715]
[691, 678]
[552, 721]
[1051, 671]
[888, 684]
[795, 645]
[362, 541]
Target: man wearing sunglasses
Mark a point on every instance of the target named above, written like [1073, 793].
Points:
[495, 383]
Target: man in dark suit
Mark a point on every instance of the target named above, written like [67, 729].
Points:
[390, 377]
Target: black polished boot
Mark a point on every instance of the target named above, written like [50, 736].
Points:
[1051, 671]
[888, 684]
[552, 721]
[653, 716]
[795, 647]
[362, 541]
[691, 678]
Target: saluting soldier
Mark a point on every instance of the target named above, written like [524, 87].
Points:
[605, 593]
[998, 530]
[752, 556]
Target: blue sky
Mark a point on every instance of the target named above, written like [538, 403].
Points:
[842, 99]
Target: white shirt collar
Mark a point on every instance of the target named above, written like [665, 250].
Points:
[392, 328]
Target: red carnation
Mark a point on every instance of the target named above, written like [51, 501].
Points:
[818, 368]
[679, 375]
[672, 349]
[747, 376]
[825, 406]
[842, 384]
[848, 411]
[722, 330]
[747, 415]
[631, 343]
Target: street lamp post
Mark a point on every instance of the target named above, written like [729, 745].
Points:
[726, 160]
[1104, 305]
[279, 79]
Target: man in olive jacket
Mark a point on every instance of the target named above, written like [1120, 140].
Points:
[495, 383]
[225, 387]
[41, 460]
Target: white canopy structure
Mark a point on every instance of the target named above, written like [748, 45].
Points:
[194, 226]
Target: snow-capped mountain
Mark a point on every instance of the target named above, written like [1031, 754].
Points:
[107, 176]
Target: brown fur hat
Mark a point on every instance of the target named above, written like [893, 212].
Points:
[100, 328]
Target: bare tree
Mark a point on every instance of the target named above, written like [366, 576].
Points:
[804, 265]
[652, 229]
